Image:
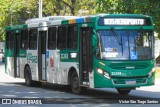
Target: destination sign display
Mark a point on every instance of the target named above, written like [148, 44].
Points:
[125, 21]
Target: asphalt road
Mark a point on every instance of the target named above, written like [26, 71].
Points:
[59, 96]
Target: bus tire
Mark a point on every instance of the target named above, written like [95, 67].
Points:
[124, 91]
[28, 78]
[37, 83]
[75, 87]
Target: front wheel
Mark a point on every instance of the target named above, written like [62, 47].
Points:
[124, 91]
[76, 89]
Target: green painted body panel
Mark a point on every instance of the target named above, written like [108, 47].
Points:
[65, 56]
[64, 22]
[142, 68]
[9, 53]
[22, 53]
[17, 27]
[139, 74]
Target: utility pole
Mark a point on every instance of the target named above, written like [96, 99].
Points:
[40, 8]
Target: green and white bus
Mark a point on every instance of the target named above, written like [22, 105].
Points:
[99, 51]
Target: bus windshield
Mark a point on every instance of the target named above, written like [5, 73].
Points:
[126, 44]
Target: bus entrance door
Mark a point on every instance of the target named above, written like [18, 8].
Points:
[85, 54]
[16, 53]
[42, 55]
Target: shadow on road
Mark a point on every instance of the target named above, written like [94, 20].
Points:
[89, 93]
[59, 94]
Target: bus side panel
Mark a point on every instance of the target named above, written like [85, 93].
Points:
[52, 65]
[32, 60]
[66, 62]
[23, 62]
[64, 70]
[57, 71]
[10, 66]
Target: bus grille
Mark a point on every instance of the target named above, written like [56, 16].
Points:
[123, 66]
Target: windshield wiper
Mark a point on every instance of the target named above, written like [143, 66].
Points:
[116, 36]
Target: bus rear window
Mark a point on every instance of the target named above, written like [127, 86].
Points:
[9, 40]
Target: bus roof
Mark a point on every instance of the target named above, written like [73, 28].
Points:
[58, 18]
[49, 18]
[61, 20]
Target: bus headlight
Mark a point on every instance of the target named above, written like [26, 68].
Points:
[151, 72]
[104, 73]
[100, 71]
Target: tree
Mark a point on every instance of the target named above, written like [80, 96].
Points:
[9, 11]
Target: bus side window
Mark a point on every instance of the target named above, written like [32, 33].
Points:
[51, 38]
[72, 37]
[61, 39]
[33, 39]
[9, 40]
[24, 39]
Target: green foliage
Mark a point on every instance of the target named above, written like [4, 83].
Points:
[17, 11]
[158, 73]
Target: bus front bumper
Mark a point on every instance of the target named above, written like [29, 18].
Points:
[102, 82]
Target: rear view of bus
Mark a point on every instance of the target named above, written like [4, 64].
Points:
[124, 57]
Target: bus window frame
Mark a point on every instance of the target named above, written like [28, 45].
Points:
[55, 45]
[9, 45]
[58, 36]
[26, 46]
[71, 37]
[35, 47]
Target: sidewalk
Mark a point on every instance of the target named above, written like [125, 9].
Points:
[6, 78]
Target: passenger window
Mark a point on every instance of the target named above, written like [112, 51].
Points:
[33, 39]
[51, 38]
[9, 40]
[61, 39]
[72, 37]
[24, 39]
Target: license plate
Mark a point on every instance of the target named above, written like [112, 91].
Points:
[131, 82]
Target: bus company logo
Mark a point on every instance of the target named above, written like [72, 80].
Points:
[6, 101]
[32, 58]
[21, 101]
